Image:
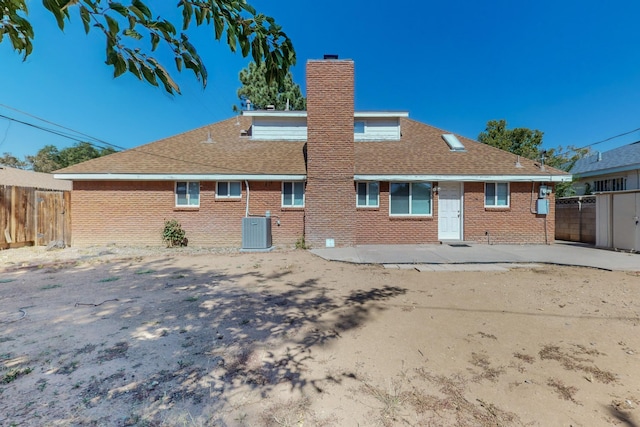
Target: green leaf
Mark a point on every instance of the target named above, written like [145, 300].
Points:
[119, 66]
[218, 26]
[169, 85]
[133, 68]
[155, 39]
[148, 74]
[54, 8]
[187, 11]
[179, 63]
[132, 33]
[138, 4]
[114, 28]
[86, 19]
[119, 7]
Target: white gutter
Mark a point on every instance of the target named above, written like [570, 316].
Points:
[239, 177]
[465, 178]
[174, 177]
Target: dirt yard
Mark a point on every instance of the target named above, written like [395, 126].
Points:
[124, 337]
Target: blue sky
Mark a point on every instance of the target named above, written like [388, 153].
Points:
[568, 68]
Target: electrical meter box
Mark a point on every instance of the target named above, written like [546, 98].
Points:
[543, 206]
[544, 191]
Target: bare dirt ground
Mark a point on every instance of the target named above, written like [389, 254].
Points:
[153, 337]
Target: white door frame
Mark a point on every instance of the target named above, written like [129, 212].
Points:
[460, 188]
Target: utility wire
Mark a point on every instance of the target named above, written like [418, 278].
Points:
[62, 134]
[65, 135]
[610, 138]
[56, 124]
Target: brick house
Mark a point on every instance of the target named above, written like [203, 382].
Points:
[330, 174]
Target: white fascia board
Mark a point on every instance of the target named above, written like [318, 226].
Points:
[274, 113]
[174, 177]
[465, 178]
[377, 114]
[356, 114]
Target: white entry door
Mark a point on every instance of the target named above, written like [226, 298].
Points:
[450, 211]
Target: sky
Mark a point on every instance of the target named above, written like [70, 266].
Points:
[570, 69]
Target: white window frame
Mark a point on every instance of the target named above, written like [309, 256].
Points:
[292, 204]
[430, 214]
[188, 204]
[495, 195]
[367, 195]
[228, 195]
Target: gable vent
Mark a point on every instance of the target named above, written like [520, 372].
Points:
[453, 142]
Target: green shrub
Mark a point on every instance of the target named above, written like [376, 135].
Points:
[173, 234]
[301, 244]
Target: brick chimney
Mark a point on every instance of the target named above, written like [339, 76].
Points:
[330, 201]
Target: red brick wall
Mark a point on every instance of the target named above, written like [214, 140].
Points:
[133, 213]
[515, 224]
[329, 201]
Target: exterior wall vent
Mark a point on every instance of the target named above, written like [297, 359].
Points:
[453, 142]
[256, 233]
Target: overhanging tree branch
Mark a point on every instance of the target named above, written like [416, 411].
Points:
[126, 25]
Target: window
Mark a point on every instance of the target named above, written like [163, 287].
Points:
[293, 194]
[410, 198]
[358, 127]
[367, 195]
[612, 184]
[228, 190]
[496, 194]
[187, 193]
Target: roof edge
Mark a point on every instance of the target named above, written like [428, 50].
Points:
[176, 177]
[465, 178]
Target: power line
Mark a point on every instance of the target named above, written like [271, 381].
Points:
[57, 125]
[65, 135]
[610, 138]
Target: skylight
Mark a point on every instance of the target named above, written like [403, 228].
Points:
[453, 142]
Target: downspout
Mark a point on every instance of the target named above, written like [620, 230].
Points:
[533, 184]
[246, 212]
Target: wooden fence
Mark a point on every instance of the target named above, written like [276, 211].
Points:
[576, 219]
[29, 216]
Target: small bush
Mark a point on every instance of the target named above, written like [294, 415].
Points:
[173, 234]
[301, 244]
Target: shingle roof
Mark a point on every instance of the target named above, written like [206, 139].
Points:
[22, 178]
[627, 156]
[190, 153]
[420, 151]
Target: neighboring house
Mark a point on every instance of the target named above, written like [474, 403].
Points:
[614, 170]
[34, 208]
[614, 178]
[329, 174]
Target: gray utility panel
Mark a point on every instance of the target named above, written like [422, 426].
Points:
[256, 233]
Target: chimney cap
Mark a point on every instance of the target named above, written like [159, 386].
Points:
[330, 56]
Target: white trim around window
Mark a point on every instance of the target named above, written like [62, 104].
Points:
[187, 194]
[228, 190]
[367, 194]
[496, 195]
[410, 199]
[292, 194]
